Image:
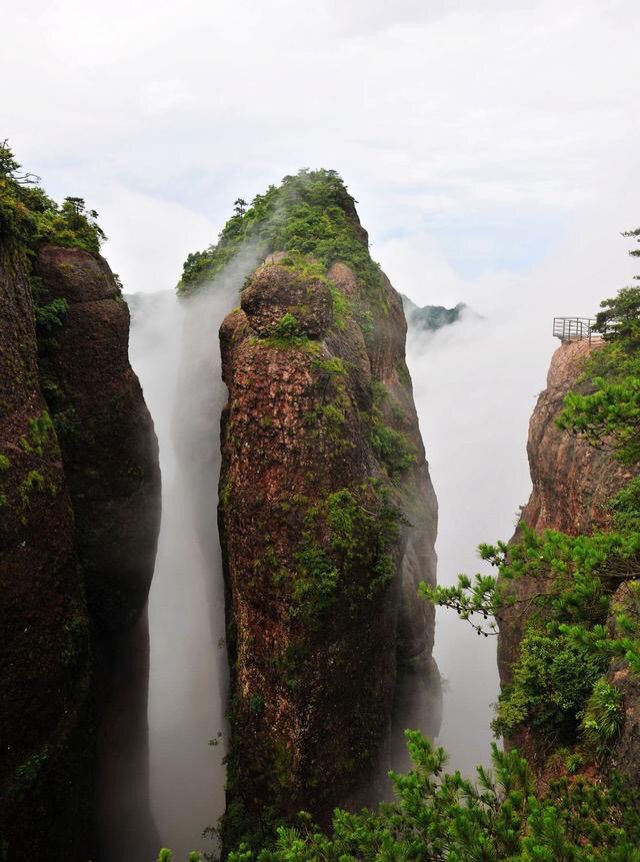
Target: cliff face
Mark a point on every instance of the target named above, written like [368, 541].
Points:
[45, 661]
[572, 483]
[328, 520]
[79, 507]
[106, 435]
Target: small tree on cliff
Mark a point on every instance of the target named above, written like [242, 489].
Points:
[10, 168]
[620, 317]
[240, 206]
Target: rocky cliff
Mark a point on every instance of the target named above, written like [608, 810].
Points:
[572, 483]
[79, 512]
[105, 433]
[327, 520]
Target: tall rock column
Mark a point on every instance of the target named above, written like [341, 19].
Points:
[328, 521]
[79, 517]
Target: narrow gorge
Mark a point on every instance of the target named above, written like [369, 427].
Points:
[220, 622]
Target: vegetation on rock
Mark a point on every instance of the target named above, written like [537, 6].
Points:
[311, 213]
[31, 218]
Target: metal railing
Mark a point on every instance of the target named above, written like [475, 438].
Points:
[575, 329]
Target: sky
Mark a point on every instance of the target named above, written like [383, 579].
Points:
[476, 137]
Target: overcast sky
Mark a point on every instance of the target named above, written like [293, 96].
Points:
[475, 135]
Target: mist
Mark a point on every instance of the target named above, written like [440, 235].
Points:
[175, 352]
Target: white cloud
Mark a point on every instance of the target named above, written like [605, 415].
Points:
[429, 110]
[150, 238]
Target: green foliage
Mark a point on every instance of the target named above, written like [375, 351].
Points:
[443, 817]
[403, 373]
[391, 448]
[626, 507]
[310, 214]
[332, 367]
[287, 334]
[306, 266]
[620, 318]
[33, 482]
[287, 328]
[577, 575]
[166, 855]
[341, 307]
[345, 553]
[41, 433]
[610, 416]
[31, 218]
[552, 681]
[603, 717]
[49, 317]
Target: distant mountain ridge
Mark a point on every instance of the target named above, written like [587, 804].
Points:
[431, 317]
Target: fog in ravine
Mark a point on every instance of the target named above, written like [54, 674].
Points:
[174, 350]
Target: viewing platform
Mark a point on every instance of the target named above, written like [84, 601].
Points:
[576, 329]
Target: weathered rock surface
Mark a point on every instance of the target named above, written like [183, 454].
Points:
[572, 481]
[106, 435]
[45, 664]
[79, 509]
[323, 614]
[280, 291]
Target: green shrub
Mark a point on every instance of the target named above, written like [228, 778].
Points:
[552, 681]
[345, 553]
[287, 328]
[442, 817]
[603, 717]
[391, 448]
[49, 317]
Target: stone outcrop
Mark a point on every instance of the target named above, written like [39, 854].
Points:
[79, 511]
[328, 520]
[572, 481]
